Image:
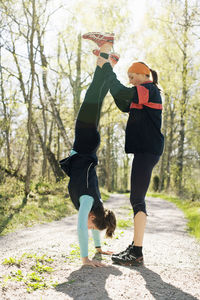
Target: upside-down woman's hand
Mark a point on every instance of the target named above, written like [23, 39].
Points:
[104, 252]
[94, 263]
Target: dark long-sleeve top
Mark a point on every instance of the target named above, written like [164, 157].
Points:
[144, 105]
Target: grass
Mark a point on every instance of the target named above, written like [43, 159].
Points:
[122, 223]
[104, 194]
[54, 208]
[33, 273]
[190, 208]
[74, 254]
[47, 202]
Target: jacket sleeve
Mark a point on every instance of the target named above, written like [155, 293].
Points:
[123, 96]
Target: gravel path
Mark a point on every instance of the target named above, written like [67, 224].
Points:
[171, 270]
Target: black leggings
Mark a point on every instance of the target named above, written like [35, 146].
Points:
[143, 164]
[87, 138]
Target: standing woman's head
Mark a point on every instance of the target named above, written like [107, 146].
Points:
[104, 219]
[139, 72]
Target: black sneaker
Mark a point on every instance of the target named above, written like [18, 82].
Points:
[129, 259]
[126, 251]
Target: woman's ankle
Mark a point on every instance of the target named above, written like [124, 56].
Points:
[104, 55]
[105, 48]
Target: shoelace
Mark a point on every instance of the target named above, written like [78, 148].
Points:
[123, 252]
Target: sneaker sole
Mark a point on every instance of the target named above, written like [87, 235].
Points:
[97, 34]
[129, 263]
[99, 38]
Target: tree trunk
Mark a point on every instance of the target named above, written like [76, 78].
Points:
[58, 173]
[44, 163]
[29, 163]
[169, 148]
[6, 122]
[163, 158]
[48, 93]
[183, 103]
[124, 185]
[108, 160]
[77, 82]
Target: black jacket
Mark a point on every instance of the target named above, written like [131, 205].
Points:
[83, 179]
[144, 105]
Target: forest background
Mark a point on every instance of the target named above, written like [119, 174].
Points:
[45, 69]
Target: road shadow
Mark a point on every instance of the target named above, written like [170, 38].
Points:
[88, 283]
[160, 289]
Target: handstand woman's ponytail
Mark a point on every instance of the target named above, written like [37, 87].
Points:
[110, 222]
[105, 219]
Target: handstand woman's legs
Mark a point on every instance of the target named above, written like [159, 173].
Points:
[87, 141]
[87, 137]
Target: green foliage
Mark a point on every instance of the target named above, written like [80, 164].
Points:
[32, 280]
[42, 268]
[121, 223]
[178, 79]
[48, 201]
[118, 234]
[104, 194]
[17, 275]
[43, 188]
[12, 261]
[40, 208]
[74, 253]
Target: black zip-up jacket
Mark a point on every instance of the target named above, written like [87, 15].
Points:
[144, 105]
[83, 179]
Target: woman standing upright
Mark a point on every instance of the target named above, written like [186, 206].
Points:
[143, 138]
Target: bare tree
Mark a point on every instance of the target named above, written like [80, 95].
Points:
[6, 116]
[50, 97]
[27, 90]
[185, 95]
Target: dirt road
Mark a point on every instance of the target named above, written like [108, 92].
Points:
[171, 270]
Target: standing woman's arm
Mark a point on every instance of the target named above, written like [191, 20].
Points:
[122, 95]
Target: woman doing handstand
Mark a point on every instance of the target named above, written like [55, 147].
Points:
[80, 165]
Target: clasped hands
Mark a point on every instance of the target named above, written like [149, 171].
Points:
[101, 61]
